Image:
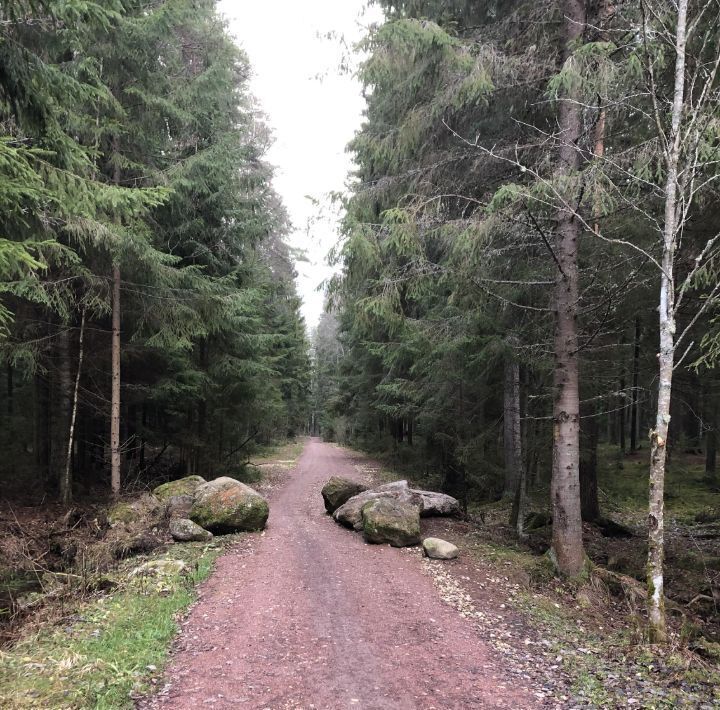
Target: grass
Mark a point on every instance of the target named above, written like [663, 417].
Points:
[624, 483]
[112, 647]
[287, 452]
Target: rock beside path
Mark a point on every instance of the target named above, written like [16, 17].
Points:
[226, 506]
[338, 491]
[350, 514]
[143, 511]
[181, 487]
[179, 506]
[184, 530]
[390, 521]
[439, 504]
[438, 549]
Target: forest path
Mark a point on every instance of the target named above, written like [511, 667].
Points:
[309, 616]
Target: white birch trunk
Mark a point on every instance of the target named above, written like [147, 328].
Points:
[666, 356]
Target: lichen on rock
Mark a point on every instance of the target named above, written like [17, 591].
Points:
[389, 521]
[181, 487]
[226, 506]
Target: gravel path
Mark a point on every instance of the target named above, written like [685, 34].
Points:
[309, 616]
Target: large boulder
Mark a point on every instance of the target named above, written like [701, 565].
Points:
[387, 520]
[438, 504]
[438, 549]
[181, 487]
[350, 514]
[184, 530]
[338, 491]
[143, 511]
[226, 506]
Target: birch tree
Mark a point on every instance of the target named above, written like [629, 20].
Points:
[686, 131]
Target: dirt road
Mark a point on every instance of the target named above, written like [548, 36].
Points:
[309, 616]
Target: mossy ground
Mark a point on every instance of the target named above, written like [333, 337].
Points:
[109, 648]
[595, 637]
[103, 650]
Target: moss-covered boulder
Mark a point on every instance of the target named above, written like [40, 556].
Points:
[143, 511]
[350, 513]
[226, 506]
[123, 513]
[338, 491]
[184, 530]
[181, 487]
[390, 521]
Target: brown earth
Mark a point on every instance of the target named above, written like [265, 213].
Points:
[309, 616]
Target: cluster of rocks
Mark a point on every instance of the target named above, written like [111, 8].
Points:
[390, 514]
[197, 508]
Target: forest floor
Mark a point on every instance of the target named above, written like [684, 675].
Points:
[309, 616]
[595, 632]
[306, 615]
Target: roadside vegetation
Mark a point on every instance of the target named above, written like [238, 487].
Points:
[584, 642]
[96, 631]
[111, 647]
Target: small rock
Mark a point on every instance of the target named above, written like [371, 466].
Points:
[184, 530]
[438, 549]
[160, 568]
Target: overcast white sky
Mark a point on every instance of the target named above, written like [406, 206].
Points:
[312, 107]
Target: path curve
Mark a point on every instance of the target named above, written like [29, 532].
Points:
[309, 616]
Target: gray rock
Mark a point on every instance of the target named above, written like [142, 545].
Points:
[439, 549]
[350, 514]
[389, 521]
[184, 530]
[438, 504]
[226, 506]
[179, 506]
[338, 491]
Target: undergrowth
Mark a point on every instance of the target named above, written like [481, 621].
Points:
[112, 647]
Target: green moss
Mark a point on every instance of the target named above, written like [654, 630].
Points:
[182, 487]
[112, 649]
[222, 516]
[123, 513]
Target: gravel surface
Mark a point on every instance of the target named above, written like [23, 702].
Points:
[307, 615]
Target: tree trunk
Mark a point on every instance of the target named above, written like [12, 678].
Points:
[115, 400]
[622, 404]
[666, 356]
[567, 544]
[42, 428]
[66, 483]
[511, 426]
[634, 411]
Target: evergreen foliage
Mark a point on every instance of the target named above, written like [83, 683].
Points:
[129, 139]
[449, 256]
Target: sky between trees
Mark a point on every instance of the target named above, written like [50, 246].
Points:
[314, 105]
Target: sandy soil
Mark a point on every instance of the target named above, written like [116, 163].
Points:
[309, 616]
